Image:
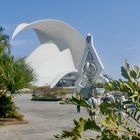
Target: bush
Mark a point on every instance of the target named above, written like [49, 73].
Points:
[50, 94]
[8, 108]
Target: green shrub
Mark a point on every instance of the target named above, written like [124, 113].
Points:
[8, 108]
[54, 94]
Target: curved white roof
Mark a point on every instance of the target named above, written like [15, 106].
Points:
[60, 51]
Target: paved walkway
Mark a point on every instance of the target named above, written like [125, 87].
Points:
[44, 119]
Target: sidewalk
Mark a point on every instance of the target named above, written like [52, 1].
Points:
[44, 119]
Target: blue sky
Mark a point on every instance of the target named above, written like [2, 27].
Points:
[115, 25]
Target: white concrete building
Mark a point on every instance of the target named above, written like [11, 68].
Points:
[62, 51]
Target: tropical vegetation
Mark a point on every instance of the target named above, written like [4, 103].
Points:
[15, 74]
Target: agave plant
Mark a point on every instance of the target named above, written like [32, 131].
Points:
[15, 73]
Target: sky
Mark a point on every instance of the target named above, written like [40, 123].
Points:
[114, 24]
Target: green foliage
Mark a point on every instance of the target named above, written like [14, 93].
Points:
[48, 93]
[8, 108]
[118, 122]
[14, 75]
[82, 102]
[80, 126]
[131, 74]
[107, 108]
[4, 40]
[131, 88]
